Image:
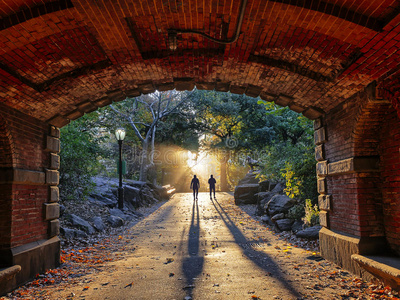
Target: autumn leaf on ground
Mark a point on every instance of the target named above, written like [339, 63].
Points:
[169, 260]
[129, 284]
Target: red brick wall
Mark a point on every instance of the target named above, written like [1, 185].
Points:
[28, 136]
[28, 223]
[343, 216]
[5, 216]
[23, 139]
[390, 164]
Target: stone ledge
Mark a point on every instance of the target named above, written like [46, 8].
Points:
[34, 258]
[7, 278]
[339, 247]
[20, 176]
[384, 268]
[354, 165]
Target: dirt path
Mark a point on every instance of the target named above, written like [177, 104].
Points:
[209, 249]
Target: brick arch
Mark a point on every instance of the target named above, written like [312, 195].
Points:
[60, 59]
[376, 138]
[369, 118]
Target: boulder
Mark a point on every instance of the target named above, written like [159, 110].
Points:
[284, 224]
[68, 233]
[98, 224]
[279, 204]
[118, 213]
[132, 197]
[297, 226]
[245, 194]
[278, 189]
[80, 223]
[278, 217]
[263, 198]
[250, 178]
[266, 219]
[103, 202]
[311, 233]
[115, 221]
[264, 186]
[80, 234]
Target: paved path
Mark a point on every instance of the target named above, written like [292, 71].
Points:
[209, 249]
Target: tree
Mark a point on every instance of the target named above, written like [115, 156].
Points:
[231, 121]
[143, 115]
[290, 154]
[79, 157]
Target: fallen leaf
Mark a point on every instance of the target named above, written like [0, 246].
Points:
[129, 284]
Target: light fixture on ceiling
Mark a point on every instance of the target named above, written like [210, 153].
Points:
[172, 33]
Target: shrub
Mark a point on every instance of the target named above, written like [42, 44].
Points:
[311, 216]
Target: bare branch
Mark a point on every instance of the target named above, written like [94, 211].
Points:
[129, 119]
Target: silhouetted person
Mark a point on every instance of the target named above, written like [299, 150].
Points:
[212, 183]
[195, 185]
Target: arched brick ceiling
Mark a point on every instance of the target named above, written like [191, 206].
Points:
[59, 59]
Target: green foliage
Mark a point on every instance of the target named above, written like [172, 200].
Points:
[297, 212]
[293, 183]
[79, 157]
[291, 154]
[311, 217]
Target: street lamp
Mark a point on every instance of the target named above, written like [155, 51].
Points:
[120, 135]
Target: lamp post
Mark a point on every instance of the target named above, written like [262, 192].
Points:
[120, 135]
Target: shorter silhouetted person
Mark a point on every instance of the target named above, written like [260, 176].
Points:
[195, 185]
[212, 183]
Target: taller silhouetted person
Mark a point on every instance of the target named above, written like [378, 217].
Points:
[212, 183]
[195, 185]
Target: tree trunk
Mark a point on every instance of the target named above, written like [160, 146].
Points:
[224, 171]
[144, 160]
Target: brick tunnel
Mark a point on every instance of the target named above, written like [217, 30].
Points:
[336, 62]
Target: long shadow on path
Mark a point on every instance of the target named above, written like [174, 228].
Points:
[260, 258]
[192, 265]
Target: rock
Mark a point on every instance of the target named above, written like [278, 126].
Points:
[264, 186]
[278, 217]
[245, 194]
[263, 198]
[115, 221]
[284, 224]
[132, 197]
[98, 224]
[278, 189]
[297, 226]
[118, 213]
[104, 202]
[62, 210]
[311, 233]
[68, 233]
[81, 223]
[267, 220]
[250, 178]
[80, 234]
[279, 203]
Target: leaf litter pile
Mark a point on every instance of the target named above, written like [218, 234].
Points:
[77, 266]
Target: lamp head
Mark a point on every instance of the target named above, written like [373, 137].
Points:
[172, 40]
[120, 134]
